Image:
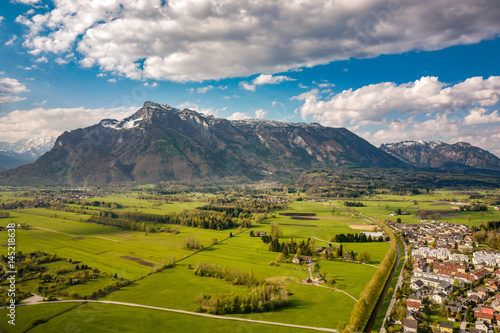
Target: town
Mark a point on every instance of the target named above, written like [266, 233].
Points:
[448, 281]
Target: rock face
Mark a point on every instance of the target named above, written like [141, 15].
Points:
[160, 142]
[460, 156]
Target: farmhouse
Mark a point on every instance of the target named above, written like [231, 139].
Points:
[410, 325]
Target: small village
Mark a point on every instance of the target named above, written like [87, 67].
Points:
[449, 283]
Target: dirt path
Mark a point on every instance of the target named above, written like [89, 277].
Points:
[340, 291]
[193, 314]
[63, 233]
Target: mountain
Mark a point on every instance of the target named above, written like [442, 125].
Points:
[10, 159]
[23, 151]
[460, 156]
[160, 142]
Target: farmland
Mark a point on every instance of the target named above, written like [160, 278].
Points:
[140, 258]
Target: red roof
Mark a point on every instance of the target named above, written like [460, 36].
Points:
[483, 315]
[412, 304]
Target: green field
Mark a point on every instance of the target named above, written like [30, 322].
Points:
[103, 247]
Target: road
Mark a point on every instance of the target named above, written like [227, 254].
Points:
[190, 313]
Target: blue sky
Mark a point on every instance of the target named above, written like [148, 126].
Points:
[387, 70]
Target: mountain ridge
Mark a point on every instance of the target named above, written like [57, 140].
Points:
[160, 142]
[460, 156]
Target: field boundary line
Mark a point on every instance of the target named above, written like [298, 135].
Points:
[75, 236]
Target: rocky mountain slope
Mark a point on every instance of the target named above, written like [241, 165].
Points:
[160, 142]
[460, 156]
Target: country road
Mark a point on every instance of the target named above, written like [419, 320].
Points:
[188, 313]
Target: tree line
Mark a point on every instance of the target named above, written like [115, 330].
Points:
[370, 294]
[236, 277]
[260, 299]
[355, 238]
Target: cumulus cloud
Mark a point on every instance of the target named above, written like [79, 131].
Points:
[183, 40]
[426, 109]
[264, 79]
[24, 124]
[150, 85]
[112, 80]
[238, 116]
[61, 61]
[373, 102]
[10, 87]
[479, 116]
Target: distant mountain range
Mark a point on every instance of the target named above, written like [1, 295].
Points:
[23, 151]
[460, 156]
[160, 142]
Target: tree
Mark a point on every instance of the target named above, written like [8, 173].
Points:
[469, 218]
[469, 315]
[275, 230]
[364, 257]
[422, 214]
[230, 234]
[398, 220]
[214, 241]
[458, 317]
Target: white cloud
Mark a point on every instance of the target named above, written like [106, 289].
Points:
[100, 74]
[264, 79]
[1, 19]
[247, 86]
[373, 102]
[10, 87]
[479, 116]
[269, 79]
[276, 103]
[259, 114]
[11, 40]
[238, 116]
[23, 124]
[197, 108]
[30, 79]
[150, 85]
[303, 86]
[61, 61]
[203, 90]
[26, 2]
[41, 59]
[184, 40]
[112, 80]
